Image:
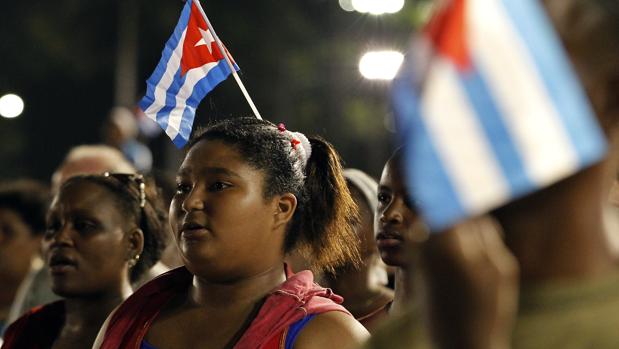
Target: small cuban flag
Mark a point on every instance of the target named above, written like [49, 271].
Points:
[191, 65]
[489, 109]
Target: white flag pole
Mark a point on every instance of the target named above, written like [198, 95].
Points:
[225, 54]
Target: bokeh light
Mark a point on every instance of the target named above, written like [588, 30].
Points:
[376, 7]
[346, 5]
[380, 65]
[11, 106]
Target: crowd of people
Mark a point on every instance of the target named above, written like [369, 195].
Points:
[269, 242]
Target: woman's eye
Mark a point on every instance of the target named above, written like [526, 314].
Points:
[50, 230]
[383, 198]
[84, 226]
[182, 188]
[218, 186]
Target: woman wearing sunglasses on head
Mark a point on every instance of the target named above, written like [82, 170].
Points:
[102, 233]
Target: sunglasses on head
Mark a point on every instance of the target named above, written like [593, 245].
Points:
[136, 178]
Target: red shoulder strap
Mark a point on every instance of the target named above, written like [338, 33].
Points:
[133, 318]
[37, 328]
[277, 342]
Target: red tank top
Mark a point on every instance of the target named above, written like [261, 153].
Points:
[292, 301]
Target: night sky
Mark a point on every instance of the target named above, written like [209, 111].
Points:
[298, 60]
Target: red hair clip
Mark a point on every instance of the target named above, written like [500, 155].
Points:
[294, 142]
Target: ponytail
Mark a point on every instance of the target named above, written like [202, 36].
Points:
[321, 229]
[324, 219]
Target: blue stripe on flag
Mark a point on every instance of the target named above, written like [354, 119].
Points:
[564, 89]
[179, 141]
[427, 179]
[168, 50]
[170, 100]
[496, 133]
[216, 75]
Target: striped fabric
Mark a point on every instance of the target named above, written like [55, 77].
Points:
[190, 67]
[489, 109]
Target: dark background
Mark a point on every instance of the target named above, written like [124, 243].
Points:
[298, 59]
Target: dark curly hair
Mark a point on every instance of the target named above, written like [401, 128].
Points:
[151, 218]
[29, 199]
[321, 228]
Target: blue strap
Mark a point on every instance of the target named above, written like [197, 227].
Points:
[291, 335]
[295, 329]
[146, 345]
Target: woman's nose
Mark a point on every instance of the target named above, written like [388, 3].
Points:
[392, 214]
[62, 237]
[193, 201]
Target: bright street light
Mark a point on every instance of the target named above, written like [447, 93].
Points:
[346, 5]
[11, 106]
[380, 65]
[376, 7]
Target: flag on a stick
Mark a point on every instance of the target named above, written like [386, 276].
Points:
[191, 65]
[489, 109]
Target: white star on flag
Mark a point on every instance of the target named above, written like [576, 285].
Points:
[206, 34]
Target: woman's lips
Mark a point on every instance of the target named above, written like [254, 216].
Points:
[59, 264]
[194, 234]
[388, 240]
[191, 231]
[62, 268]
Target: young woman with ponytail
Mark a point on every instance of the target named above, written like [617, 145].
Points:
[249, 192]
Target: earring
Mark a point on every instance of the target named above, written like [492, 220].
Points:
[133, 261]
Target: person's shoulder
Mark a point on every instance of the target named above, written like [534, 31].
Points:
[39, 322]
[333, 329]
[44, 312]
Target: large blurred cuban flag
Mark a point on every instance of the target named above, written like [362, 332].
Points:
[489, 109]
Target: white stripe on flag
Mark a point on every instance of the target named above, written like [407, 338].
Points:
[166, 80]
[503, 60]
[191, 79]
[453, 126]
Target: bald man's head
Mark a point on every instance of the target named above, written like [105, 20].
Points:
[90, 159]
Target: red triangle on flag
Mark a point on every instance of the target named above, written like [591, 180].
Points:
[199, 47]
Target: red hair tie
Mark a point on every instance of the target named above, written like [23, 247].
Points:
[294, 142]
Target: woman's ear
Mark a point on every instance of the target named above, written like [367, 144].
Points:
[285, 206]
[135, 238]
